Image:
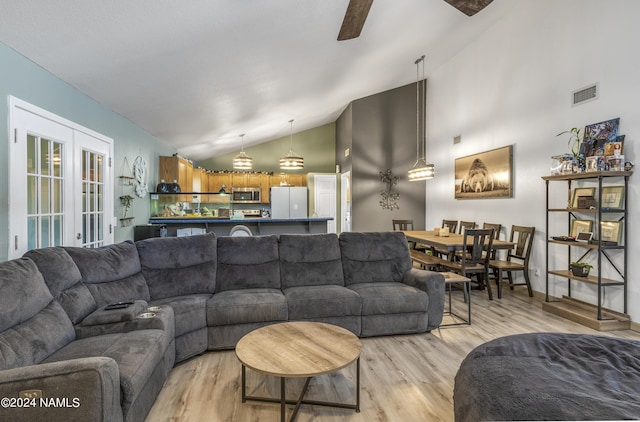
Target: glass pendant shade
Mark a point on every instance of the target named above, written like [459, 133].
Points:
[242, 161]
[291, 161]
[421, 171]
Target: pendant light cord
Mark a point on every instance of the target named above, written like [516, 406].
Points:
[421, 59]
[291, 135]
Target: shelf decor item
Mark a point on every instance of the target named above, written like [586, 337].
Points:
[611, 231]
[580, 269]
[579, 226]
[612, 197]
[578, 192]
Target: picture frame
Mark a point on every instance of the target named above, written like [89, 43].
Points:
[612, 197]
[596, 135]
[581, 226]
[485, 175]
[591, 164]
[611, 231]
[615, 147]
[581, 192]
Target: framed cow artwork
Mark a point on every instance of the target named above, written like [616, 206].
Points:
[486, 174]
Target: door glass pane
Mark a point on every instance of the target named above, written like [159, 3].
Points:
[57, 230]
[44, 156]
[44, 196]
[45, 235]
[57, 196]
[32, 155]
[32, 194]
[32, 232]
[57, 159]
[99, 168]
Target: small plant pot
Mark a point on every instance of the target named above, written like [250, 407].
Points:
[580, 271]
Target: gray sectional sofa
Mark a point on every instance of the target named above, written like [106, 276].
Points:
[58, 342]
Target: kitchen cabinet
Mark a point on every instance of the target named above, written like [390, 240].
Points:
[216, 180]
[285, 179]
[178, 169]
[608, 257]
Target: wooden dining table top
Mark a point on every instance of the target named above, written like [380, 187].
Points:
[452, 242]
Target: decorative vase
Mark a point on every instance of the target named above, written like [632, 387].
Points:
[162, 187]
[174, 187]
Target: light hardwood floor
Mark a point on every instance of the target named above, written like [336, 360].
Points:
[403, 378]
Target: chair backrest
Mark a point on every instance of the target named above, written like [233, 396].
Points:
[476, 242]
[452, 224]
[467, 225]
[496, 229]
[399, 225]
[523, 238]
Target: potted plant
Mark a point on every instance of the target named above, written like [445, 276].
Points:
[580, 269]
[575, 137]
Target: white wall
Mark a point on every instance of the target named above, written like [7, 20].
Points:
[513, 86]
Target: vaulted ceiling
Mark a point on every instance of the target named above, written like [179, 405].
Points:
[198, 73]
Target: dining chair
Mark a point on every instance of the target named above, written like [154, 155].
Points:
[497, 228]
[467, 225]
[475, 262]
[517, 260]
[399, 225]
[452, 224]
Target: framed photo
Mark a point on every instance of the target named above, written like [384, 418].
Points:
[591, 163]
[611, 231]
[612, 196]
[581, 226]
[581, 192]
[484, 175]
[615, 147]
[596, 135]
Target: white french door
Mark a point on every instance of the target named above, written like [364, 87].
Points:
[60, 183]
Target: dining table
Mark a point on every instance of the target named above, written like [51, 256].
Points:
[451, 243]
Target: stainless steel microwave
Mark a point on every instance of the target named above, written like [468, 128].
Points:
[245, 195]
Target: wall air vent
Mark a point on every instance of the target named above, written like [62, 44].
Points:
[584, 95]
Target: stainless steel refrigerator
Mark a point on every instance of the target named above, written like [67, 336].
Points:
[288, 202]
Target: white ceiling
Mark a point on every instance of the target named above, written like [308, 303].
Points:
[197, 73]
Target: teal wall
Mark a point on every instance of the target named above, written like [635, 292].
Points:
[317, 146]
[29, 82]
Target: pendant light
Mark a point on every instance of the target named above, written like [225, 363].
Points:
[242, 161]
[421, 170]
[291, 161]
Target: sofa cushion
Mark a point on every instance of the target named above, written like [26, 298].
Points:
[247, 263]
[23, 292]
[374, 257]
[382, 298]
[137, 354]
[177, 266]
[190, 311]
[29, 342]
[64, 281]
[112, 273]
[310, 260]
[309, 302]
[246, 306]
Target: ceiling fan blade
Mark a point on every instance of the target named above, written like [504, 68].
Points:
[469, 7]
[353, 22]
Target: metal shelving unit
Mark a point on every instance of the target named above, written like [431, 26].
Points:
[592, 315]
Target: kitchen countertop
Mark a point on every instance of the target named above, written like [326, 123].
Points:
[213, 220]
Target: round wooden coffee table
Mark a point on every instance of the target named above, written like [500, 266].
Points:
[298, 350]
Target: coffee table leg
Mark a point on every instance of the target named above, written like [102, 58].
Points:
[358, 385]
[282, 399]
[244, 384]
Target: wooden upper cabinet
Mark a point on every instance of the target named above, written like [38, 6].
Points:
[178, 169]
[216, 180]
[238, 180]
[253, 180]
[288, 179]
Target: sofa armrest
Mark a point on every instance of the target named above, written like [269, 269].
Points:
[163, 320]
[86, 389]
[432, 283]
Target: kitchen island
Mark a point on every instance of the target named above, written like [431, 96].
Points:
[229, 226]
